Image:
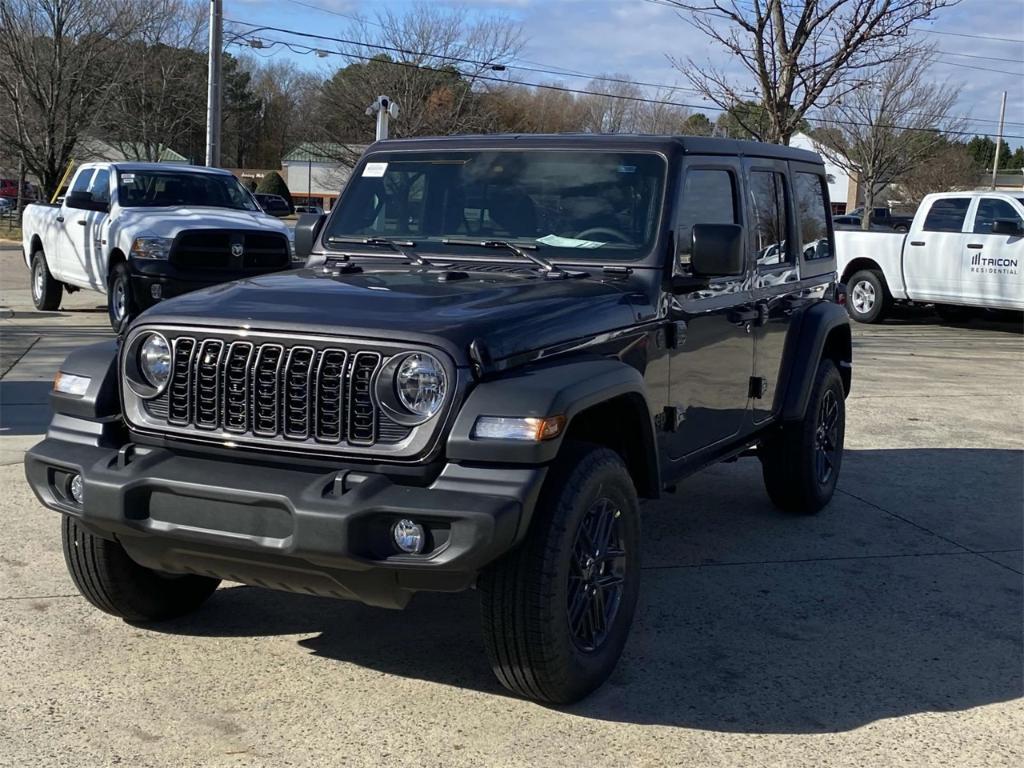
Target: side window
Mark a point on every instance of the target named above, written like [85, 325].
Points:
[990, 209]
[99, 188]
[81, 183]
[947, 215]
[768, 211]
[813, 214]
[709, 197]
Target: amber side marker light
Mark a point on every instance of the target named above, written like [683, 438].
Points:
[527, 428]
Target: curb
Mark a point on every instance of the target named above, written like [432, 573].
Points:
[6, 312]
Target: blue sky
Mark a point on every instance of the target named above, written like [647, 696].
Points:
[634, 36]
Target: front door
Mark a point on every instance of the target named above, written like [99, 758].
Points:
[992, 275]
[931, 256]
[712, 355]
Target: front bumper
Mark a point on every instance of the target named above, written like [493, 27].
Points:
[281, 527]
[173, 281]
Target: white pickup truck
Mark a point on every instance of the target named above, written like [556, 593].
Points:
[964, 250]
[142, 232]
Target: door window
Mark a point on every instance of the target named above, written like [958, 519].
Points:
[99, 188]
[709, 197]
[947, 215]
[768, 209]
[990, 209]
[812, 213]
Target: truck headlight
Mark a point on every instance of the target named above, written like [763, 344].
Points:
[152, 247]
[412, 387]
[147, 364]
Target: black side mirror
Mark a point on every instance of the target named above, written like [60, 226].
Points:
[306, 232]
[1008, 227]
[717, 250]
[85, 202]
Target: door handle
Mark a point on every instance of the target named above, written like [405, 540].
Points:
[975, 246]
[60, 219]
[917, 242]
[82, 222]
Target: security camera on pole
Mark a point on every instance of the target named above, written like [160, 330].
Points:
[384, 108]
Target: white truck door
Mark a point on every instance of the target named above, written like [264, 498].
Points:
[94, 249]
[932, 255]
[71, 251]
[992, 263]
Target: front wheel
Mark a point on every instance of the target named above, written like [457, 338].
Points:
[46, 292]
[557, 611]
[120, 306]
[116, 584]
[867, 297]
[800, 463]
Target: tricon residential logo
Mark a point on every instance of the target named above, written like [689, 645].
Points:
[993, 266]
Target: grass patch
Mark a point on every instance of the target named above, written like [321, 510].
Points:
[10, 233]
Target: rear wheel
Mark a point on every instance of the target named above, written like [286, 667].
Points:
[119, 296]
[557, 611]
[46, 292]
[868, 297]
[116, 584]
[800, 463]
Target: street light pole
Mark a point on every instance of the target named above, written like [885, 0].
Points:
[999, 140]
[213, 95]
[384, 107]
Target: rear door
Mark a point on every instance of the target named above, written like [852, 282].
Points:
[992, 263]
[932, 255]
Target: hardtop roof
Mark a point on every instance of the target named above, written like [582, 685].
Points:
[164, 167]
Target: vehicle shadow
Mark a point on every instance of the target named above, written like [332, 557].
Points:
[752, 621]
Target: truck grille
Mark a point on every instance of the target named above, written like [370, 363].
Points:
[275, 389]
[215, 249]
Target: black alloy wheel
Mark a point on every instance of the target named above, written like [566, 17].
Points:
[597, 576]
[826, 437]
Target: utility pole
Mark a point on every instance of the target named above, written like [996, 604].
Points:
[213, 96]
[999, 140]
[384, 107]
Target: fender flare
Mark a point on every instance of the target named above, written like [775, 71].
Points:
[101, 400]
[560, 388]
[823, 331]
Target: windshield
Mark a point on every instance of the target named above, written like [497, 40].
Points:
[137, 189]
[572, 205]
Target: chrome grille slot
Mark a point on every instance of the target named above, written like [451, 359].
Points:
[329, 394]
[266, 394]
[207, 384]
[179, 402]
[362, 414]
[237, 368]
[297, 392]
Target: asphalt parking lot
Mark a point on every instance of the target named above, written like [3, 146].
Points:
[885, 631]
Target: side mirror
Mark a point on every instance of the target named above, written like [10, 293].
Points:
[306, 232]
[717, 250]
[84, 201]
[1009, 227]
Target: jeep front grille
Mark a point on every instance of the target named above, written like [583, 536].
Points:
[286, 391]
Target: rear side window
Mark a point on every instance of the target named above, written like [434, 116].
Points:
[768, 211]
[709, 197]
[812, 212]
[947, 215]
[990, 209]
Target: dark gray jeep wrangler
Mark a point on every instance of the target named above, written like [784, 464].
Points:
[498, 347]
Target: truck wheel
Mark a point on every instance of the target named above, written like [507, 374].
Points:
[557, 610]
[868, 297]
[46, 292]
[800, 463]
[119, 296]
[116, 584]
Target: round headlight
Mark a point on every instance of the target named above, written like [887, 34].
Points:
[420, 384]
[155, 360]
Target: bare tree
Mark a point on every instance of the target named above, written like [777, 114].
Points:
[948, 168]
[58, 62]
[615, 104]
[799, 53]
[889, 125]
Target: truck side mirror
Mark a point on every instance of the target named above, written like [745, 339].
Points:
[84, 201]
[717, 250]
[306, 232]
[1008, 227]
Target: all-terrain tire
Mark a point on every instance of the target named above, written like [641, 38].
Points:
[867, 296]
[121, 306]
[46, 292]
[116, 584]
[539, 644]
[800, 463]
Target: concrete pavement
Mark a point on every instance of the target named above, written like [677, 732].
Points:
[884, 631]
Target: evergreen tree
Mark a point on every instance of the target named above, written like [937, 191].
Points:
[273, 184]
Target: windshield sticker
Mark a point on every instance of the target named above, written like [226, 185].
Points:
[374, 170]
[127, 178]
[568, 242]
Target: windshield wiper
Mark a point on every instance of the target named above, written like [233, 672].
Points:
[398, 246]
[519, 250]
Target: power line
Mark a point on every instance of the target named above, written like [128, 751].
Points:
[990, 38]
[979, 69]
[987, 58]
[564, 89]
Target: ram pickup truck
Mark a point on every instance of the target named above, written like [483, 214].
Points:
[964, 251]
[144, 232]
[498, 347]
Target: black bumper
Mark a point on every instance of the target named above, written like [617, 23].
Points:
[173, 281]
[285, 528]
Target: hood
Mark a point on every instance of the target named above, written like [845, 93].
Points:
[169, 221]
[510, 312]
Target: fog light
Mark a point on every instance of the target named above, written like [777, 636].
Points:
[408, 536]
[156, 291]
[75, 488]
